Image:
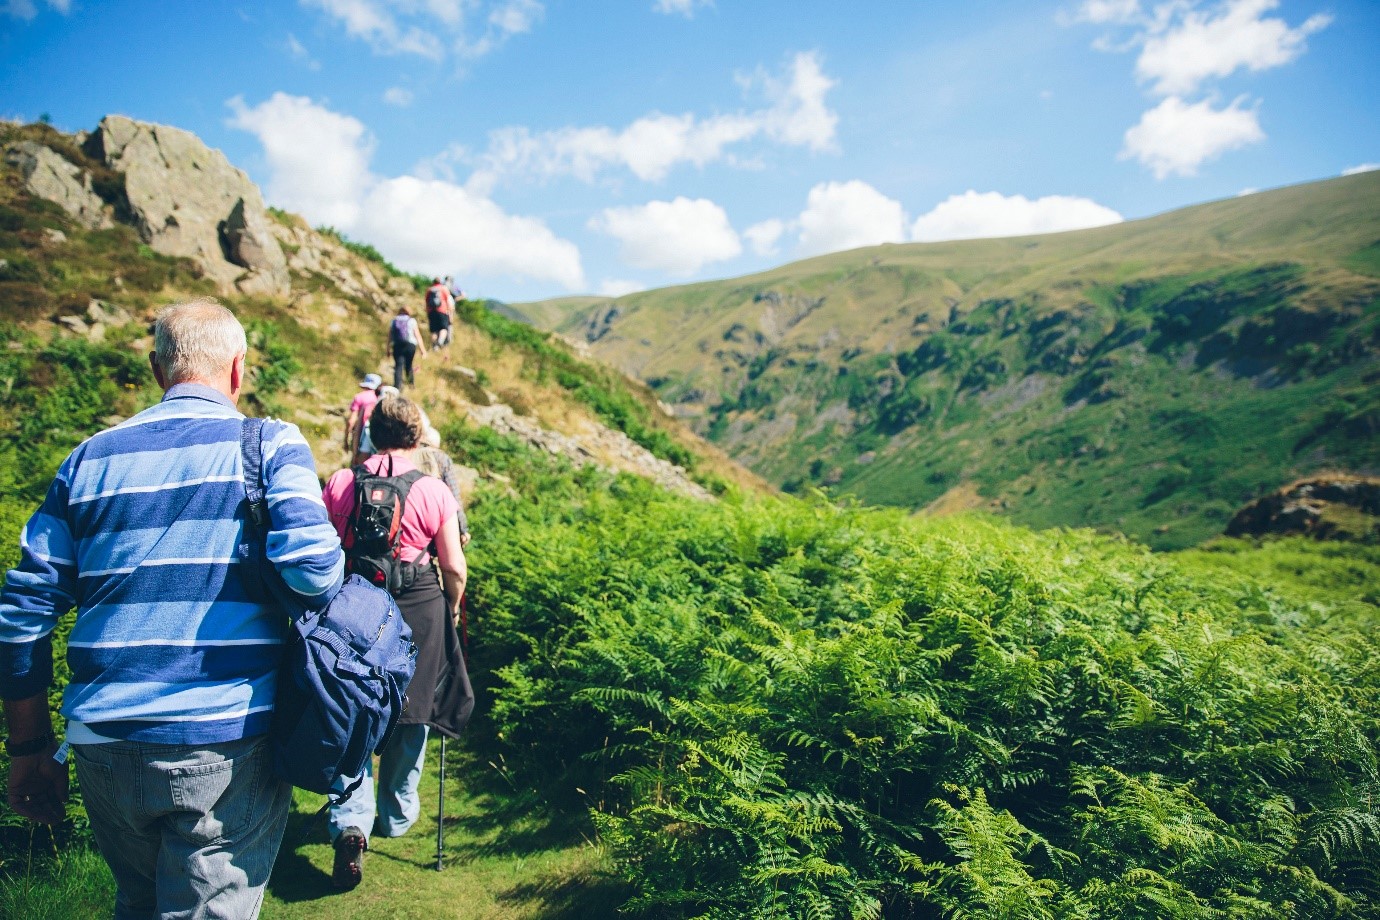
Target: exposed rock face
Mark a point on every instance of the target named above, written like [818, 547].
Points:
[605, 447]
[49, 175]
[1329, 508]
[314, 253]
[189, 201]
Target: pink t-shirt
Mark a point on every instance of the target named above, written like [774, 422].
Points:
[429, 504]
[364, 403]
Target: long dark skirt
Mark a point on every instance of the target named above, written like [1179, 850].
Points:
[440, 694]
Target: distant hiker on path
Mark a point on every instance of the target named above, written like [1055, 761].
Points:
[174, 658]
[404, 341]
[357, 422]
[440, 307]
[388, 495]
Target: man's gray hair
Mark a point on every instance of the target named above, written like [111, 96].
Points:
[196, 340]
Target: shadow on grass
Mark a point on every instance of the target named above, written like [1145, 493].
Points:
[587, 898]
[294, 877]
[506, 820]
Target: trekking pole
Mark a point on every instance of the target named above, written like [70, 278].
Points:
[441, 809]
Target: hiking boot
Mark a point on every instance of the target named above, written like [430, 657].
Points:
[349, 854]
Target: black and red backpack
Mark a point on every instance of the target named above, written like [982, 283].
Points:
[373, 541]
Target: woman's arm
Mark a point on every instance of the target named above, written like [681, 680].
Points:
[454, 571]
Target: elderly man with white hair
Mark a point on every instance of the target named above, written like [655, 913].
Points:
[173, 654]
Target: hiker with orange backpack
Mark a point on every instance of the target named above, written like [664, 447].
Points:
[440, 305]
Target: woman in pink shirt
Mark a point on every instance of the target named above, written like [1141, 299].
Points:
[439, 696]
[358, 419]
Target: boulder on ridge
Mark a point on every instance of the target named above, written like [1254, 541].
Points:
[48, 174]
[188, 200]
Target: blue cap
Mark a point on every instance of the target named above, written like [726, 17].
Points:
[371, 381]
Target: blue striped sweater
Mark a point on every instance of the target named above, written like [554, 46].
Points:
[143, 531]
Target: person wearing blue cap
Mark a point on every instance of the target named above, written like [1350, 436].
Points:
[361, 407]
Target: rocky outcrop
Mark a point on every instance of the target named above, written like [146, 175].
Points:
[99, 317]
[315, 253]
[50, 175]
[1327, 507]
[612, 450]
[187, 200]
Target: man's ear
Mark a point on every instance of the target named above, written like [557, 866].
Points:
[157, 371]
[237, 375]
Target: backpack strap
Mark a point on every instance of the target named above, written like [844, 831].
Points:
[252, 452]
[258, 524]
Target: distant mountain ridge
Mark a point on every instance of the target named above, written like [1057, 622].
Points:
[1149, 377]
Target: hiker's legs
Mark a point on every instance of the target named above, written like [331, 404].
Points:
[217, 813]
[358, 809]
[402, 362]
[225, 816]
[400, 770]
[127, 838]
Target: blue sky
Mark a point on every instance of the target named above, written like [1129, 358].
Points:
[543, 147]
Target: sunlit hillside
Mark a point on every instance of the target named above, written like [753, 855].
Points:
[1148, 377]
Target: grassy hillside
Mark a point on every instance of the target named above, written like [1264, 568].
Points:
[1148, 377]
[767, 707]
[75, 312]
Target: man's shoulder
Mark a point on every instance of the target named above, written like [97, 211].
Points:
[175, 429]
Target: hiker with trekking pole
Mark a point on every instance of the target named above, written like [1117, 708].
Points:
[393, 519]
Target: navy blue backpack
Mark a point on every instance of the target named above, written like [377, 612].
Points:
[344, 675]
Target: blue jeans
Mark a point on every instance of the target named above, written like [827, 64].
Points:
[190, 831]
[395, 807]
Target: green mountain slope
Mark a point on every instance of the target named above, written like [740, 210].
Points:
[755, 707]
[1148, 377]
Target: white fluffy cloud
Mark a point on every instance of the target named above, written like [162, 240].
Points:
[1108, 11]
[431, 28]
[684, 8]
[676, 237]
[1203, 46]
[764, 236]
[618, 287]
[373, 21]
[1186, 45]
[398, 96]
[429, 225]
[973, 215]
[652, 146]
[847, 215]
[318, 163]
[1361, 168]
[318, 160]
[1176, 137]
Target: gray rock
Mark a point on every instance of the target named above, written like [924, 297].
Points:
[56, 237]
[187, 200]
[75, 323]
[248, 241]
[100, 311]
[50, 175]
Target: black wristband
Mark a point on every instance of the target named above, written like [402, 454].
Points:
[29, 748]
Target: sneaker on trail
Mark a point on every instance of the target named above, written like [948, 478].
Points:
[349, 853]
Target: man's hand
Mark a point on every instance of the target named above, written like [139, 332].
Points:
[38, 787]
